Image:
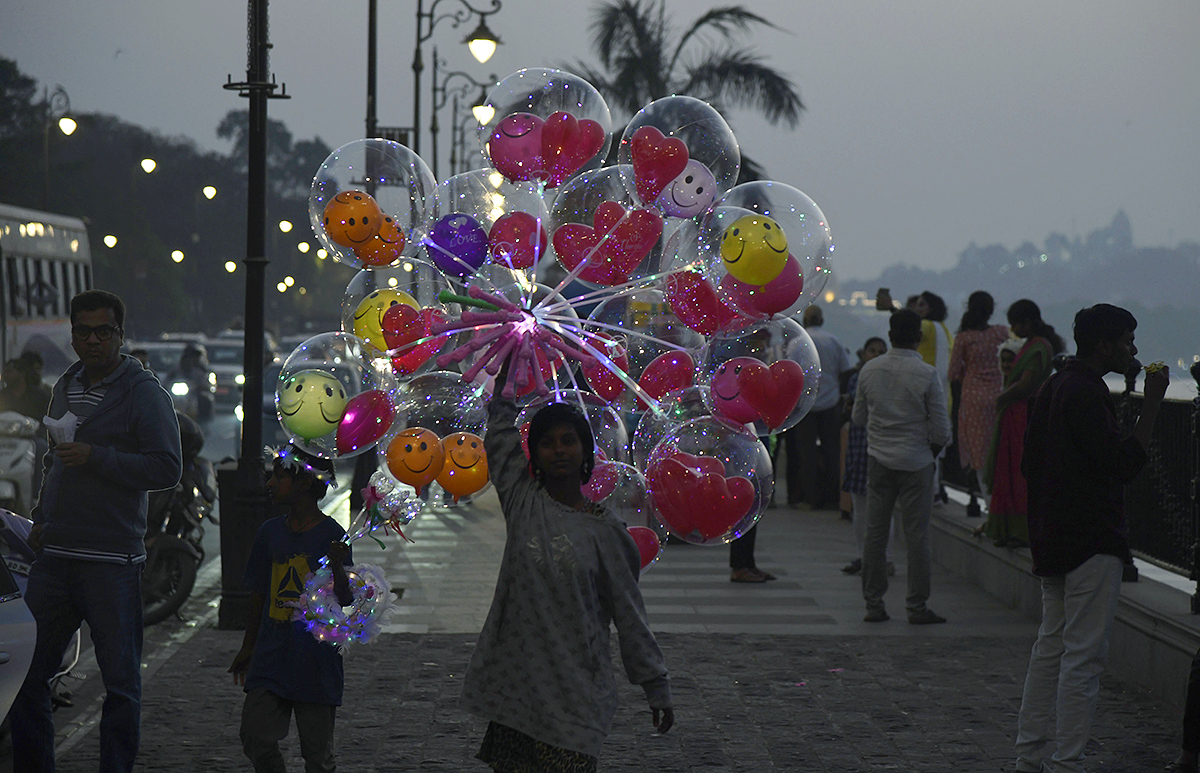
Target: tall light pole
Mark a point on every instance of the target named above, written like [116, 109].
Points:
[439, 92]
[481, 41]
[479, 114]
[244, 503]
[58, 105]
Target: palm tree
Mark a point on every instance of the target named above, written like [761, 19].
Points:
[640, 62]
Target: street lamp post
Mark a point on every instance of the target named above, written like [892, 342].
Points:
[244, 502]
[475, 117]
[482, 42]
[58, 105]
[439, 93]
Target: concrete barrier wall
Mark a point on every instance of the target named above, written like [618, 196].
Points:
[1154, 637]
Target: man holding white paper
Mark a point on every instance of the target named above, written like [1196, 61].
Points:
[114, 437]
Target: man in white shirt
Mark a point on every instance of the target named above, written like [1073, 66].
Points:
[813, 468]
[901, 402]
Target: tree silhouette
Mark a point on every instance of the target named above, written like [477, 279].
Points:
[641, 60]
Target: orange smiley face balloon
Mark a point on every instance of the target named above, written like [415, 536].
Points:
[466, 468]
[385, 247]
[415, 457]
[352, 218]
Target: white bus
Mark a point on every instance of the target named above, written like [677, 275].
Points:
[44, 261]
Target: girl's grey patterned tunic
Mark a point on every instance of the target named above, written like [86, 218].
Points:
[542, 664]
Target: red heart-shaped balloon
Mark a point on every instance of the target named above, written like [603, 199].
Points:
[631, 235]
[666, 373]
[402, 327]
[603, 381]
[696, 303]
[647, 542]
[774, 391]
[517, 240]
[657, 160]
[568, 144]
[691, 501]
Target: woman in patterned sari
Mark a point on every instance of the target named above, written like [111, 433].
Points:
[1006, 523]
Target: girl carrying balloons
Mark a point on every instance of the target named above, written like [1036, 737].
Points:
[540, 672]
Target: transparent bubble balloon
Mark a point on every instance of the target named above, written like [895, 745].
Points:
[672, 410]
[513, 214]
[622, 490]
[711, 480]
[679, 156]
[333, 397]
[371, 202]
[547, 126]
[766, 376]
[653, 347]
[600, 233]
[767, 249]
[442, 403]
[608, 430]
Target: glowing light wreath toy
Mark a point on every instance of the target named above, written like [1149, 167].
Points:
[318, 608]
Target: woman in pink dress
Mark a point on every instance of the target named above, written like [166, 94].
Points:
[973, 363]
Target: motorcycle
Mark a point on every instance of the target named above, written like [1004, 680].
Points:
[21, 450]
[175, 530]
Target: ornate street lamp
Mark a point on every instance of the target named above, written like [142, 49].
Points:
[441, 92]
[482, 42]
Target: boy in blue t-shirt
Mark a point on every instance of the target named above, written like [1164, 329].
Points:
[285, 669]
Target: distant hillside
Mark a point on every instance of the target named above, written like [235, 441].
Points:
[1160, 285]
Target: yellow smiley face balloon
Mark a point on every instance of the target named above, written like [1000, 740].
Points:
[415, 457]
[754, 249]
[311, 403]
[466, 468]
[368, 317]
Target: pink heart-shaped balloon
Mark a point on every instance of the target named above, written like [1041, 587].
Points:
[773, 297]
[368, 417]
[773, 392]
[602, 483]
[666, 373]
[568, 144]
[613, 246]
[657, 160]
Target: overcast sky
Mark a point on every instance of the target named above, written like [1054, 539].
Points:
[931, 124]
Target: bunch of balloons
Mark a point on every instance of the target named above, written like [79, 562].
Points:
[655, 293]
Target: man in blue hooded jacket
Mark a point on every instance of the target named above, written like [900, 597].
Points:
[119, 440]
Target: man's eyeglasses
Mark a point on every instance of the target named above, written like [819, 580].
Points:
[84, 332]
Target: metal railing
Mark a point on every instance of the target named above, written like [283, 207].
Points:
[1161, 504]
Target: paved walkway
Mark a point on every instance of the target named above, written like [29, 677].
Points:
[783, 676]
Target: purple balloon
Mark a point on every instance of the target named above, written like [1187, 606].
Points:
[459, 245]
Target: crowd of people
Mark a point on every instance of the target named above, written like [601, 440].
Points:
[1044, 445]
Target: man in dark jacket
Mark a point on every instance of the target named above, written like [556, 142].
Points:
[1076, 464]
[114, 437]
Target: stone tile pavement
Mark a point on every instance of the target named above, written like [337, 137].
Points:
[783, 676]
